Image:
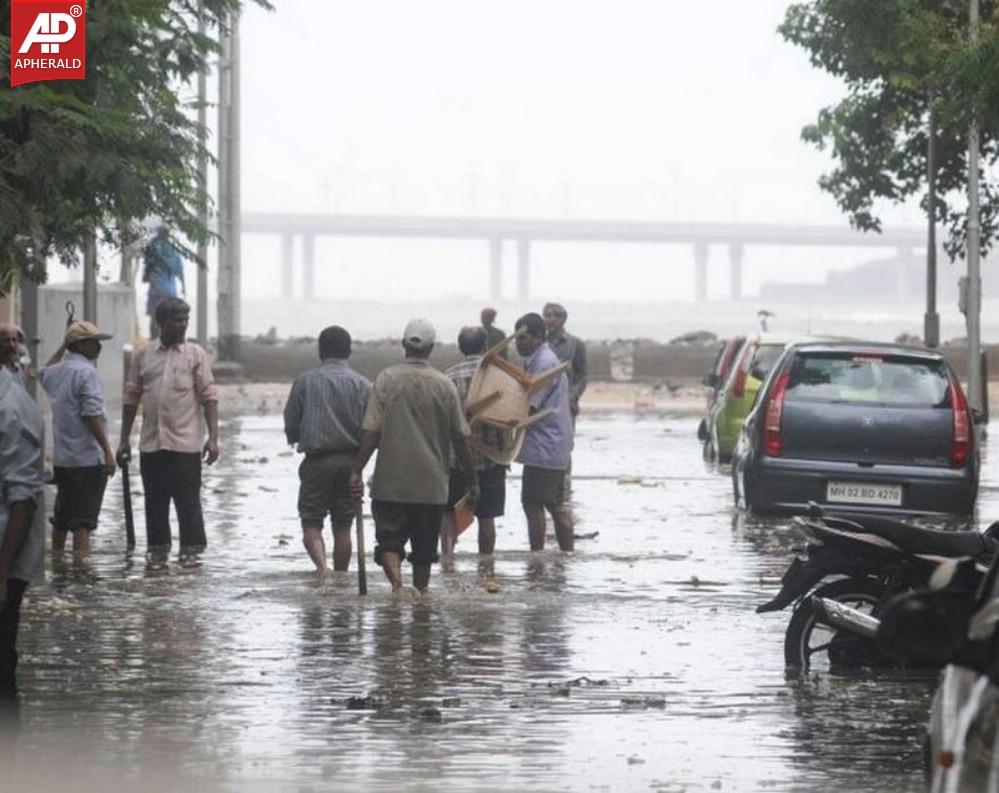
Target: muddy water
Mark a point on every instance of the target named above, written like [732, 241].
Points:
[635, 663]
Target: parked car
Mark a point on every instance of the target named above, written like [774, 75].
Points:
[752, 364]
[716, 377]
[859, 426]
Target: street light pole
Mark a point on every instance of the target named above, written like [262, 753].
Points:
[229, 215]
[202, 324]
[931, 321]
[973, 300]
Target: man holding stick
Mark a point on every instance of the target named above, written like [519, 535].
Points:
[173, 379]
[414, 418]
[323, 416]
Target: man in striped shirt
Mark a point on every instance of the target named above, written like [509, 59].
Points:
[472, 342]
[323, 416]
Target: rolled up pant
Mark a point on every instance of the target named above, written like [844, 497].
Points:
[172, 476]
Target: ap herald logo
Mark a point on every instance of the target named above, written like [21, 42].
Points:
[48, 41]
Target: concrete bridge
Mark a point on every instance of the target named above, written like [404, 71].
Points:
[735, 237]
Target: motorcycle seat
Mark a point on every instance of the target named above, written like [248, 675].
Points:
[917, 540]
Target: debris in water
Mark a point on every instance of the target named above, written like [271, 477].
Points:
[590, 535]
[451, 702]
[431, 715]
[630, 479]
[643, 702]
[368, 702]
[492, 586]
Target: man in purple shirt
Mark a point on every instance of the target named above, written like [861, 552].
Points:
[548, 443]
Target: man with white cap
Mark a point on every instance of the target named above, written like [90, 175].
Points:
[414, 418]
[81, 453]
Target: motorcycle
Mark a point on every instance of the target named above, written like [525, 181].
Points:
[860, 562]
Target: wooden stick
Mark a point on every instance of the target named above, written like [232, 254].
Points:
[126, 491]
[362, 574]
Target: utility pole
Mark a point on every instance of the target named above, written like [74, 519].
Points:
[90, 277]
[202, 320]
[229, 219]
[931, 321]
[973, 300]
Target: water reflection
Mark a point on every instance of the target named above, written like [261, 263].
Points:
[635, 663]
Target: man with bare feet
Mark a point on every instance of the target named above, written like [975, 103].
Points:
[414, 418]
[323, 416]
[548, 443]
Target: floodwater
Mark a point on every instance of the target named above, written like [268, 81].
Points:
[636, 663]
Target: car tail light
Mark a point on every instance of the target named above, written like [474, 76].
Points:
[739, 386]
[773, 442]
[960, 447]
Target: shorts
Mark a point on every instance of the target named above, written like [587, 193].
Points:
[396, 523]
[492, 491]
[79, 495]
[542, 487]
[324, 489]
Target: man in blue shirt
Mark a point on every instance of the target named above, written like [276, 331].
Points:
[547, 445]
[163, 268]
[323, 416]
[22, 542]
[82, 455]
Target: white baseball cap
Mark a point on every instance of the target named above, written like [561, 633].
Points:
[419, 333]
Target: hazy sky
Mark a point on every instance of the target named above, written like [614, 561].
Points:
[633, 109]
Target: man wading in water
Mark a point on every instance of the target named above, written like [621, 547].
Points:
[413, 418]
[323, 416]
[548, 442]
[172, 377]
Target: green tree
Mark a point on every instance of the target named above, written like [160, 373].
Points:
[898, 59]
[105, 152]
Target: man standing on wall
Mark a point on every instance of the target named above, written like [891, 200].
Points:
[173, 379]
[548, 443]
[162, 268]
[493, 334]
[323, 416]
[414, 418]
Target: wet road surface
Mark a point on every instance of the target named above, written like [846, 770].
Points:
[635, 663]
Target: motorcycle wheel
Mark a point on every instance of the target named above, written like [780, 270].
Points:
[808, 644]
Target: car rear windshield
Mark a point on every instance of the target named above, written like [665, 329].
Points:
[868, 378]
[764, 358]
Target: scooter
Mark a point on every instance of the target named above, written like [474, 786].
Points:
[860, 562]
[943, 626]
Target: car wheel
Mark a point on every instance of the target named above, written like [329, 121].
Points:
[811, 645]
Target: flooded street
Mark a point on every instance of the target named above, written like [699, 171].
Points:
[636, 663]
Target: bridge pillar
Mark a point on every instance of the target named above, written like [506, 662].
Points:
[495, 268]
[701, 251]
[287, 266]
[524, 269]
[309, 266]
[735, 255]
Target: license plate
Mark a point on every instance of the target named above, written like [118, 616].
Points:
[857, 493]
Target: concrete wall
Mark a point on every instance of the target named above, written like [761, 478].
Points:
[115, 315]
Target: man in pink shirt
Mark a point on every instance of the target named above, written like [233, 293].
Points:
[172, 378]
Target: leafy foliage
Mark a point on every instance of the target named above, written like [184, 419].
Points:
[899, 58]
[105, 152]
